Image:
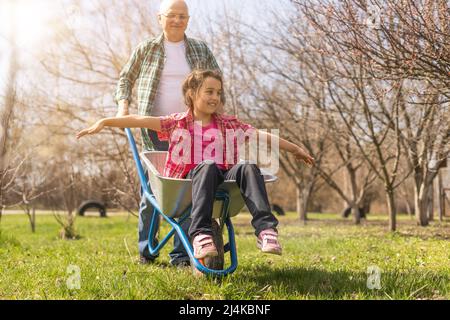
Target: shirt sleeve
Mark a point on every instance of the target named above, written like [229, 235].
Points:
[168, 124]
[211, 60]
[213, 65]
[242, 125]
[129, 74]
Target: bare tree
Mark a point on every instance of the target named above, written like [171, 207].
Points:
[289, 89]
[83, 63]
[273, 109]
[10, 159]
[67, 185]
[400, 44]
[399, 39]
[32, 185]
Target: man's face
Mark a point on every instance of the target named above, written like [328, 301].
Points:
[174, 20]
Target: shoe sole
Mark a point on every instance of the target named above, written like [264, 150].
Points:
[277, 252]
[210, 254]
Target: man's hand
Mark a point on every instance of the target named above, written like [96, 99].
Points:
[302, 155]
[97, 127]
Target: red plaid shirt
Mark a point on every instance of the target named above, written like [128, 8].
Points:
[184, 121]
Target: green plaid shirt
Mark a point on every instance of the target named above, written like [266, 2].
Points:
[146, 65]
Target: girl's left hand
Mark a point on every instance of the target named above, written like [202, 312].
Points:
[304, 156]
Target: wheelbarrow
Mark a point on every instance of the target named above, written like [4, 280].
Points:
[172, 200]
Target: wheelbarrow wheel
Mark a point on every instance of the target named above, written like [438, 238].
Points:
[215, 263]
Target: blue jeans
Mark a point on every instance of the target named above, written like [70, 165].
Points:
[178, 254]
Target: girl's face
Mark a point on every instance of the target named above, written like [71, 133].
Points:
[208, 97]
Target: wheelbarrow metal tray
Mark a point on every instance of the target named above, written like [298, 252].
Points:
[174, 196]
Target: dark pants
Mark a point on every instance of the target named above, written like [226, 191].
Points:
[206, 178]
[146, 209]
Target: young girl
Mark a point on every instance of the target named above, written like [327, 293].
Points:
[204, 97]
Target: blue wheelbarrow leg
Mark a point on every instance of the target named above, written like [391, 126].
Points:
[147, 193]
[154, 228]
[146, 213]
[176, 227]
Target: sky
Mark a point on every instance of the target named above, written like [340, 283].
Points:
[254, 10]
[32, 16]
[33, 21]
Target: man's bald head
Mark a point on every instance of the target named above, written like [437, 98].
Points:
[166, 5]
[173, 18]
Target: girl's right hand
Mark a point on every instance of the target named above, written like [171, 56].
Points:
[97, 127]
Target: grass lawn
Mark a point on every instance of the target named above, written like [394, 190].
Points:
[326, 259]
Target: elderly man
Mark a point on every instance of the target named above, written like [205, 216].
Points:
[159, 66]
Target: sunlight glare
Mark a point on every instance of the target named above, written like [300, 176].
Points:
[29, 18]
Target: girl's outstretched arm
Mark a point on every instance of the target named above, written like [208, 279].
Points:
[131, 121]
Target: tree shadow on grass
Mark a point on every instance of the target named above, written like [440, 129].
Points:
[321, 284]
[314, 283]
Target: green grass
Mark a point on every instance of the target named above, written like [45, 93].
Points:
[326, 259]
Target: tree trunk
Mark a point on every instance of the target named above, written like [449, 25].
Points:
[392, 210]
[354, 191]
[356, 213]
[302, 205]
[420, 204]
[430, 200]
[441, 196]
[33, 219]
[408, 209]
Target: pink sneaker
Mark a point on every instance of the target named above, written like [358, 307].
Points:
[268, 242]
[204, 246]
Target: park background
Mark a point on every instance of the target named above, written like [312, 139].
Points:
[363, 85]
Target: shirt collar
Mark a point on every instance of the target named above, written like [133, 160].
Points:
[190, 117]
[160, 39]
